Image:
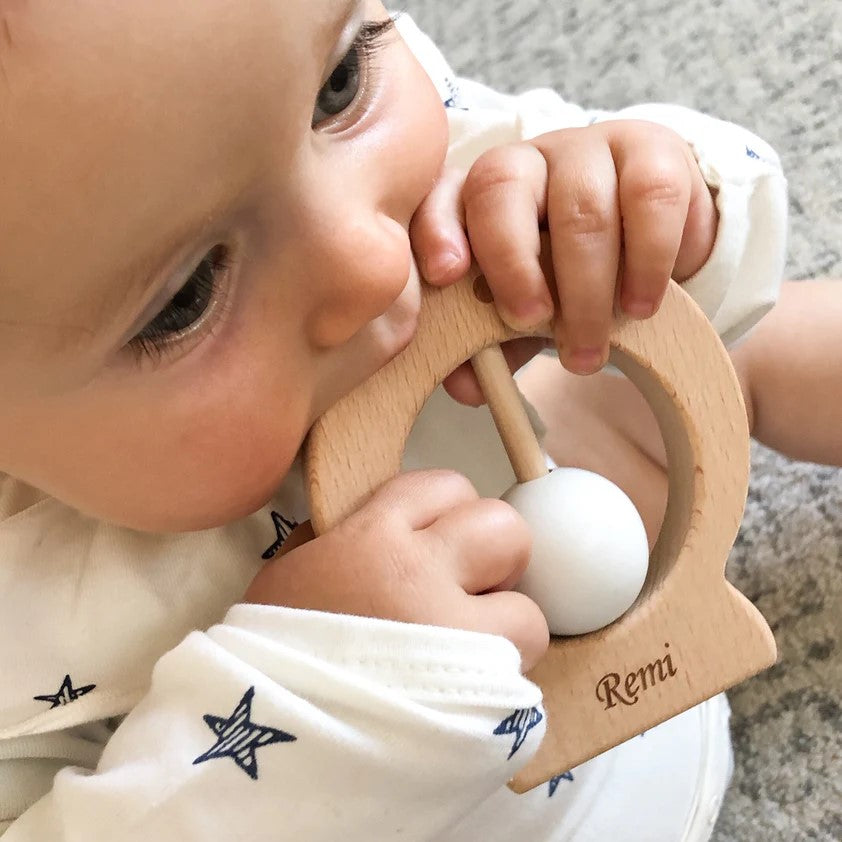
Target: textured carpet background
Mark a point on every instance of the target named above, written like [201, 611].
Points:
[775, 67]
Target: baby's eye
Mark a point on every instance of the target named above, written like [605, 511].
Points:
[186, 309]
[341, 88]
[357, 66]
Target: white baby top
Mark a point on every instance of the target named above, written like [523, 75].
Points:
[137, 703]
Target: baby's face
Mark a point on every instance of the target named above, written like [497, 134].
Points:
[203, 240]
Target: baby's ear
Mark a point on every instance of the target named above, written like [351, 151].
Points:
[300, 535]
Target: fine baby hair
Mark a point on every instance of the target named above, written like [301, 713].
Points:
[672, 649]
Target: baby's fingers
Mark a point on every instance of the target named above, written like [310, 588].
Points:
[437, 232]
[515, 617]
[653, 165]
[419, 498]
[488, 542]
[583, 217]
[505, 200]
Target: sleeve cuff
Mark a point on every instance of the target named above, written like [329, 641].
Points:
[741, 280]
[426, 663]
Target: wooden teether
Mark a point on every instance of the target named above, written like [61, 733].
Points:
[509, 415]
[690, 634]
[589, 551]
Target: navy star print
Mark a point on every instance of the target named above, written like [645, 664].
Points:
[283, 529]
[67, 693]
[554, 782]
[239, 738]
[520, 723]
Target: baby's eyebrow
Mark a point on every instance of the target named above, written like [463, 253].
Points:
[91, 311]
[350, 11]
[7, 9]
[75, 324]
[8, 40]
[114, 305]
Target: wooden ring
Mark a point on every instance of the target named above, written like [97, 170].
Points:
[690, 634]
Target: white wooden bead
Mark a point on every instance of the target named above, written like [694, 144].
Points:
[590, 553]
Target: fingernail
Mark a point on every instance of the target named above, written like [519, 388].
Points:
[438, 267]
[528, 313]
[585, 360]
[639, 308]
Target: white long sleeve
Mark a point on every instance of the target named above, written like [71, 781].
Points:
[281, 724]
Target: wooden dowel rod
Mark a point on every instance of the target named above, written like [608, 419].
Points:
[509, 414]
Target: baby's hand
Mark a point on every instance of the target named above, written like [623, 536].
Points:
[625, 206]
[425, 549]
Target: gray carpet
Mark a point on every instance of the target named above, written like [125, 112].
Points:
[776, 67]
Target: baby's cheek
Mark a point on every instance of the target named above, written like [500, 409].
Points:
[417, 121]
[219, 477]
[226, 455]
[189, 448]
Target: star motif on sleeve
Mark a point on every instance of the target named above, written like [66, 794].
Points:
[283, 529]
[520, 723]
[67, 693]
[554, 782]
[239, 738]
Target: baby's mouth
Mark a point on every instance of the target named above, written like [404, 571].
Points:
[409, 301]
[398, 324]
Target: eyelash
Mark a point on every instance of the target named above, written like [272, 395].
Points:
[371, 38]
[164, 331]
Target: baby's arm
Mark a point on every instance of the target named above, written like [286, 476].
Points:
[282, 723]
[790, 367]
[290, 725]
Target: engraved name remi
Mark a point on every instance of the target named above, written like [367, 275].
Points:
[613, 689]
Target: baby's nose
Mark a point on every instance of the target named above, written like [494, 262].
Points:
[364, 268]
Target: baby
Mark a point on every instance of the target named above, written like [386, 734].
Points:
[208, 215]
